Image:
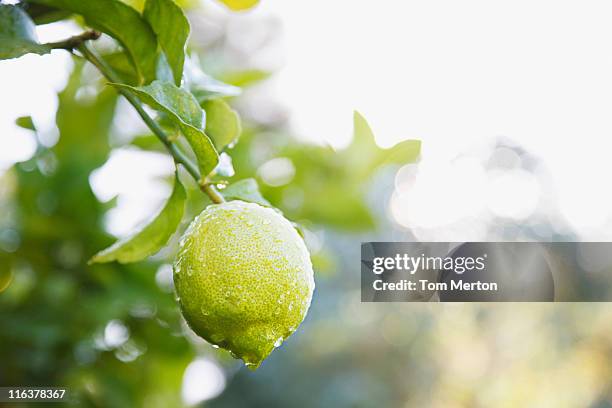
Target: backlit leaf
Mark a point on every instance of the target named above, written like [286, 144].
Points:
[245, 190]
[150, 238]
[203, 86]
[371, 156]
[245, 78]
[222, 122]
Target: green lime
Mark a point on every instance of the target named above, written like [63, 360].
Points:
[244, 279]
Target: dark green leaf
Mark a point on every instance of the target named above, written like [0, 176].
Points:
[150, 238]
[222, 123]
[25, 122]
[121, 22]
[245, 190]
[182, 108]
[18, 34]
[44, 15]
[172, 28]
[41, 14]
[121, 64]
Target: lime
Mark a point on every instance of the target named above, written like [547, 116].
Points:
[244, 279]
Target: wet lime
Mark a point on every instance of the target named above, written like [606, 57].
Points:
[244, 279]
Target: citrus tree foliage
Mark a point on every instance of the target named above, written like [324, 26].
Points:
[55, 307]
[153, 235]
[17, 34]
[154, 44]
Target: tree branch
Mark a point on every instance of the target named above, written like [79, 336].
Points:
[179, 157]
[75, 41]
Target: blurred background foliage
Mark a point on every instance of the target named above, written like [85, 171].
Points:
[113, 333]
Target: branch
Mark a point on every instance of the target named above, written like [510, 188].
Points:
[75, 41]
[179, 157]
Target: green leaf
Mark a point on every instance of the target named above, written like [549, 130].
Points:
[121, 64]
[18, 34]
[318, 169]
[121, 22]
[342, 208]
[147, 142]
[153, 236]
[44, 15]
[371, 156]
[222, 123]
[245, 78]
[25, 122]
[210, 88]
[245, 190]
[183, 109]
[76, 120]
[170, 99]
[404, 152]
[172, 28]
[239, 5]
[163, 72]
[203, 86]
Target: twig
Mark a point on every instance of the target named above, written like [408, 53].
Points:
[179, 157]
[75, 41]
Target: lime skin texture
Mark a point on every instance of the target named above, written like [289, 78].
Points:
[243, 278]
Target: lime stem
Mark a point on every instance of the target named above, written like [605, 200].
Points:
[179, 157]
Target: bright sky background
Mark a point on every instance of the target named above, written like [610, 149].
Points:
[453, 74]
